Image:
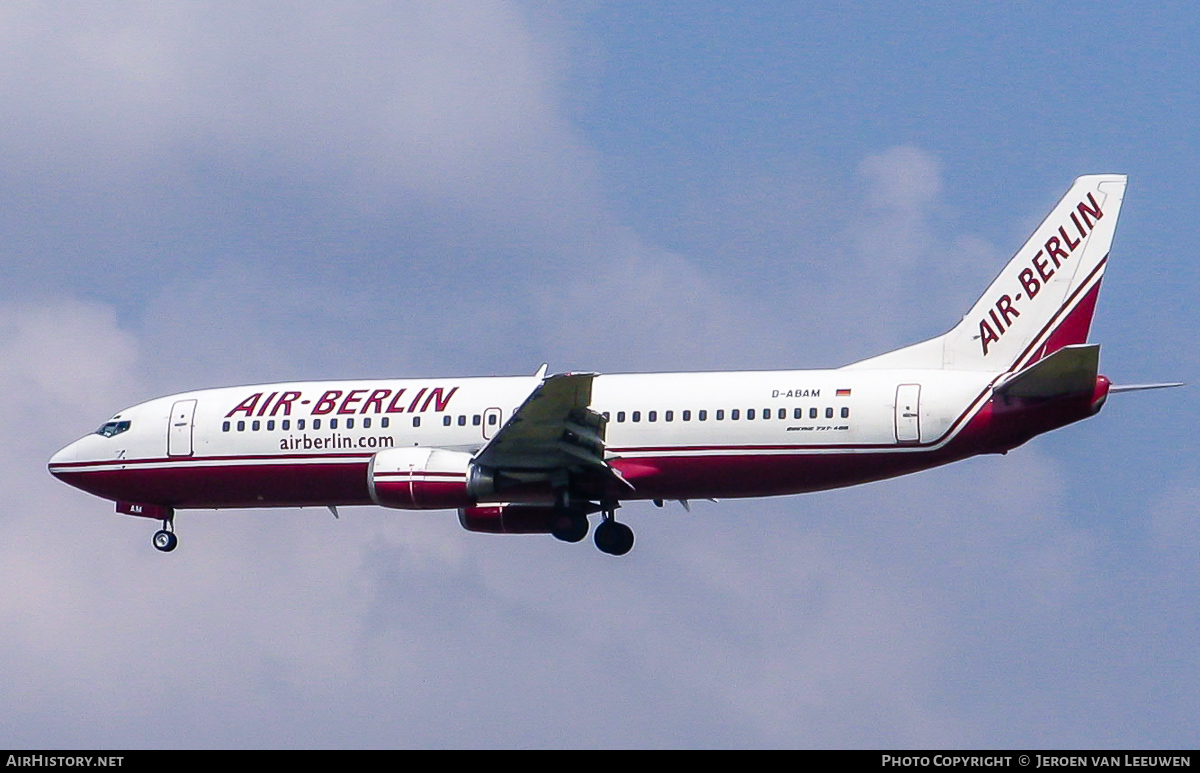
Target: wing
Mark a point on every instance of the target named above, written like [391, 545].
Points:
[554, 431]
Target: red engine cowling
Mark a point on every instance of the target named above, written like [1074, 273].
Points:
[509, 519]
[426, 479]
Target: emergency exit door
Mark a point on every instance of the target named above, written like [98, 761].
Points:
[491, 422]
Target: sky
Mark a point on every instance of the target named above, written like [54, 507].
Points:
[208, 194]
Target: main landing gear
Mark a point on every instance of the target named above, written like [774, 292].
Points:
[165, 539]
[571, 525]
[613, 538]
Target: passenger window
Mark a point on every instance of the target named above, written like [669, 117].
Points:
[492, 419]
[845, 413]
[446, 421]
[687, 415]
[255, 425]
[783, 413]
[812, 413]
[416, 421]
[349, 423]
[749, 414]
[462, 420]
[829, 413]
[367, 423]
[333, 423]
[799, 414]
[669, 416]
[299, 423]
[476, 420]
[286, 425]
[316, 423]
[702, 415]
[720, 414]
[225, 427]
[620, 416]
[733, 414]
[270, 424]
[637, 415]
[652, 416]
[241, 426]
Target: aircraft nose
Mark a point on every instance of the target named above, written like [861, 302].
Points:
[64, 456]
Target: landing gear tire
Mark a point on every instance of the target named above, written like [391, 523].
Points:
[614, 538]
[571, 526]
[165, 541]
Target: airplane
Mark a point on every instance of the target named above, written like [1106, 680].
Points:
[542, 453]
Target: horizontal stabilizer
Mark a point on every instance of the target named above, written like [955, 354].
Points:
[1071, 370]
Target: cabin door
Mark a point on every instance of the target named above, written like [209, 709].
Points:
[908, 413]
[179, 428]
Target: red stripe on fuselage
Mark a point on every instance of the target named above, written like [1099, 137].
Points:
[230, 484]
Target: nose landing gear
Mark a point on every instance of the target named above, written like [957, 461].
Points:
[165, 539]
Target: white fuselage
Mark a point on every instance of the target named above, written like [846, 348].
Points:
[309, 443]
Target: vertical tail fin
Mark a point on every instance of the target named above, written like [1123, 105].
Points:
[1043, 299]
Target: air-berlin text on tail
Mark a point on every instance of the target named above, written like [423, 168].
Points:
[1055, 251]
[346, 402]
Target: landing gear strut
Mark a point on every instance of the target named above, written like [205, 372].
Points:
[165, 539]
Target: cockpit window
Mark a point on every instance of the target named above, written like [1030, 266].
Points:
[110, 428]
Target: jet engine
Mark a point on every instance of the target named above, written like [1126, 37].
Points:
[427, 479]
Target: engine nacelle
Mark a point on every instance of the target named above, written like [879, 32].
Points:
[509, 519]
[427, 479]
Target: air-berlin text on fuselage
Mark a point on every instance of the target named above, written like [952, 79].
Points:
[342, 402]
[1056, 250]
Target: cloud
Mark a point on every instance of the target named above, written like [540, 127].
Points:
[62, 360]
[447, 102]
[902, 178]
[628, 305]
